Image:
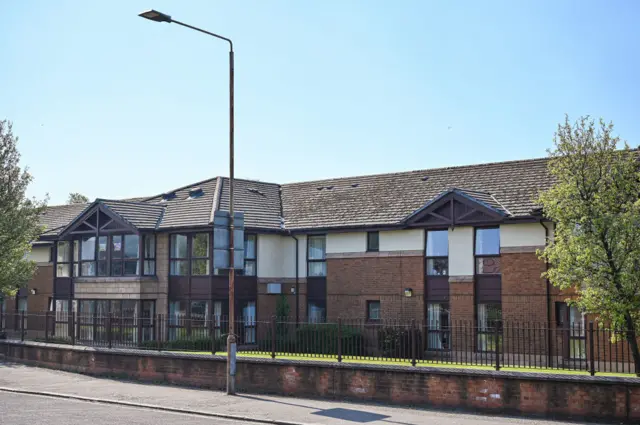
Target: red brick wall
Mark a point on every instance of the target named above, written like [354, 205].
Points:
[524, 294]
[351, 282]
[42, 282]
[580, 398]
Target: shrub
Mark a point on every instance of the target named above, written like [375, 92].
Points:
[188, 344]
[395, 342]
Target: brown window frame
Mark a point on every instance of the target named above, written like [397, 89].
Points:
[368, 312]
[314, 260]
[250, 260]
[435, 257]
[477, 256]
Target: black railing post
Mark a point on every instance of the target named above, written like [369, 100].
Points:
[109, 336]
[592, 354]
[76, 326]
[46, 326]
[212, 334]
[413, 342]
[339, 340]
[140, 329]
[22, 325]
[273, 337]
[158, 331]
[497, 342]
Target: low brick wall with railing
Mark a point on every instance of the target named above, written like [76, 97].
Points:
[544, 395]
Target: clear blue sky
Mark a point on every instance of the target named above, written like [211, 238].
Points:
[111, 105]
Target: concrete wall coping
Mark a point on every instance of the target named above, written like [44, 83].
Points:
[115, 279]
[424, 370]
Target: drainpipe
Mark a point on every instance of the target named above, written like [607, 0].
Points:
[546, 265]
[297, 281]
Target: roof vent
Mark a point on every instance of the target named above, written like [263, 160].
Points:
[320, 188]
[168, 196]
[256, 191]
[195, 192]
[425, 178]
[355, 185]
[329, 187]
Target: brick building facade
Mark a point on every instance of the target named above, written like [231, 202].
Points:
[439, 246]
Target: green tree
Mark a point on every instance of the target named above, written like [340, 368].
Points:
[19, 216]
[594, 204]
[77, 198]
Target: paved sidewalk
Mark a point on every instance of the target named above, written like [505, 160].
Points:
[260, 407]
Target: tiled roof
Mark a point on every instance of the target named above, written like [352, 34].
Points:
[185, 211]
[55, 218]
[259, 201]
[142, 215]
[384, 199]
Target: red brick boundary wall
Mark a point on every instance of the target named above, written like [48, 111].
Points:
[575, 397]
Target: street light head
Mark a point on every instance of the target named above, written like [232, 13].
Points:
[154, 15]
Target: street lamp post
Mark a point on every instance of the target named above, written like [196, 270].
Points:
[156, 16]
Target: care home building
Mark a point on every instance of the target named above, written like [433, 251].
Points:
[436, 245]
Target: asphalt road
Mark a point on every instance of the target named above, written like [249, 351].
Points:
[20, 409]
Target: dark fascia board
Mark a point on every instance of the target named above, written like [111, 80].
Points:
[95, 206]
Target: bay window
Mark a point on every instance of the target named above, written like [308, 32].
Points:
[106, 255]
[149, 255]
[63, 260]
[316, 256]
[88, 256]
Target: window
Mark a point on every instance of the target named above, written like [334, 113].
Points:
[439, 336]
[249, 322]
[317, 310]
[373, 311]
[88, 256]
[571, 320]
[373, 241]
[489, 316]
[103, 252]
[200, 254]
[116, 255]
[249, 255]
[131, 255]
[149, 246]
[437, 253]
[22, 308]
[63, 266]
[179, 255]
[316, 256]
[190, 254]
[487, 251]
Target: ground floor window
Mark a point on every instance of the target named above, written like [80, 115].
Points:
[571, 321]
[248, 322]
[317, 311]
[489, 317]
[130, 321]
[439, 333]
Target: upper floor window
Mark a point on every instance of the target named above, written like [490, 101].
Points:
[373, 311]
[249, 255]
[437, 253]
[316, 255]
[105, 255]
[487, 250]
[373, 241]
[190, 254]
